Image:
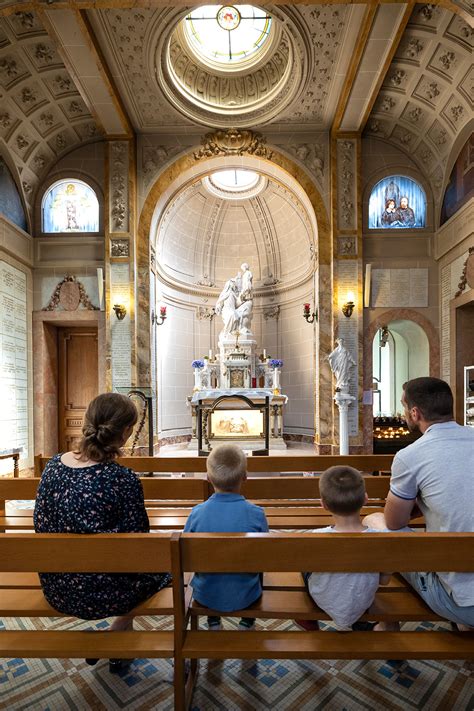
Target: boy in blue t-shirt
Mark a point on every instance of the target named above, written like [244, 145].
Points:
[227, 511]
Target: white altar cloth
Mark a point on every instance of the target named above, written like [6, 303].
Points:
[251, 393]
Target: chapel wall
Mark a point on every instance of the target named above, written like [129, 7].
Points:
[16, 418]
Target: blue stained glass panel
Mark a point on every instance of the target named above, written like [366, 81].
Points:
[397, 202]
[70, 206]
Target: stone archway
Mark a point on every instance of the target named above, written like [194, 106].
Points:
[193, 164]
[382, 319]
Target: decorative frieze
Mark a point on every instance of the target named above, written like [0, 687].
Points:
[118, 186]
[119, 248]
[233, 142]
[346, 179]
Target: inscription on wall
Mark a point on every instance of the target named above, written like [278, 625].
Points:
[13, 360]
[121, 331]
[400, 287]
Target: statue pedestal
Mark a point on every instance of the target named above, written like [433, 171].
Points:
[343, 401]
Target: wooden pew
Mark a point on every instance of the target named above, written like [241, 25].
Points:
[282, 553]
[367, 463]
[290, 503]
[113, 553]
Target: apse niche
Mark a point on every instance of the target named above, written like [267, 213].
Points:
[400, 352]
[208, 229]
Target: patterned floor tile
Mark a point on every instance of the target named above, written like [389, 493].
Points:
[233, 685]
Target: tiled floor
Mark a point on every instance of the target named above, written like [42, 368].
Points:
[281, 685]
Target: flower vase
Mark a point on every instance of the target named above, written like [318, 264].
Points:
[276, 381]
[197, 380]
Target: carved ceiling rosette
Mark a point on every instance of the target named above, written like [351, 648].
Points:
[233, 142]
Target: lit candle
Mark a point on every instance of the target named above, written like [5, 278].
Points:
[162, 310]
[306, 308]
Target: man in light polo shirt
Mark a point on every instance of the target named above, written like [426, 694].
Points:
[435, 474]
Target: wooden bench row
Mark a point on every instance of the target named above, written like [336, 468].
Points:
[279, 556]
[368, 463]
[290, 503]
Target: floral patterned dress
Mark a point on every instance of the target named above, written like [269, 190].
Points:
[102, 498]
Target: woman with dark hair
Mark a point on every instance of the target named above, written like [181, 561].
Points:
[86, 491]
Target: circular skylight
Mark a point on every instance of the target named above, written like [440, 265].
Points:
[227, 35]
[234, 183]
[235, 179]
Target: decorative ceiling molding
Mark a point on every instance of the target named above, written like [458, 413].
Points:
[427, 96]
[42, 115]
[233, 142]
[76, 42]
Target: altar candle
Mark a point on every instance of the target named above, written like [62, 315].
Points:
[264, 354]
[210, 353]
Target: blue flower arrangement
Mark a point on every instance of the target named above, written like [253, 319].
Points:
[198, 363]
[275, 363]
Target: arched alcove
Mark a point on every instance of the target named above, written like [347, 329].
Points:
[400, 352]
[312, 284]
[411, 318]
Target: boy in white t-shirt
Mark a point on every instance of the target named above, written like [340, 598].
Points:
[343, 596]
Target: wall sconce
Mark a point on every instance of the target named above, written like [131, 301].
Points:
[307, 315]
[120, 311]
[159, 321]
[349, 306]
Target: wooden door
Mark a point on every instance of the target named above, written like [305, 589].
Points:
[78, 381]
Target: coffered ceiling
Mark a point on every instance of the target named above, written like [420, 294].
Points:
[70, 73]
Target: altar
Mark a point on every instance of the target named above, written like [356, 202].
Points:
[237, 369]
[237, 424]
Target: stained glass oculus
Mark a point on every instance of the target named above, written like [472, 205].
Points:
[70, 206]
[227, 34]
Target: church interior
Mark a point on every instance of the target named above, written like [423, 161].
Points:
[274, 201]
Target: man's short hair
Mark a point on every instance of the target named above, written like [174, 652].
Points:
[226, 466]
[432, 396]
[343, 490]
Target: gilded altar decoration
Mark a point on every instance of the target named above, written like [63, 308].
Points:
[233, 142]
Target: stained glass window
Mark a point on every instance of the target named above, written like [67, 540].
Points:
[227, 34]
[70, 206]
[397, 202]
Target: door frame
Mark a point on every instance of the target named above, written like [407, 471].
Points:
[45, 369]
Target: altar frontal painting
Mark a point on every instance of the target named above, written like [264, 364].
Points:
[397, 202]
[236, 424]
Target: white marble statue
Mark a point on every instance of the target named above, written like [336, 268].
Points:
[235, 304]
[341, 363]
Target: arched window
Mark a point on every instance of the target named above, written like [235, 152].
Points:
[70, 206]
[10, 201]
[397, 202]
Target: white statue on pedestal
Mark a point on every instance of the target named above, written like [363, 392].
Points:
[341, 363]
[235, 304]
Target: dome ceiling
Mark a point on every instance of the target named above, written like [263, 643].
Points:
[201, 238]
[295, 78]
